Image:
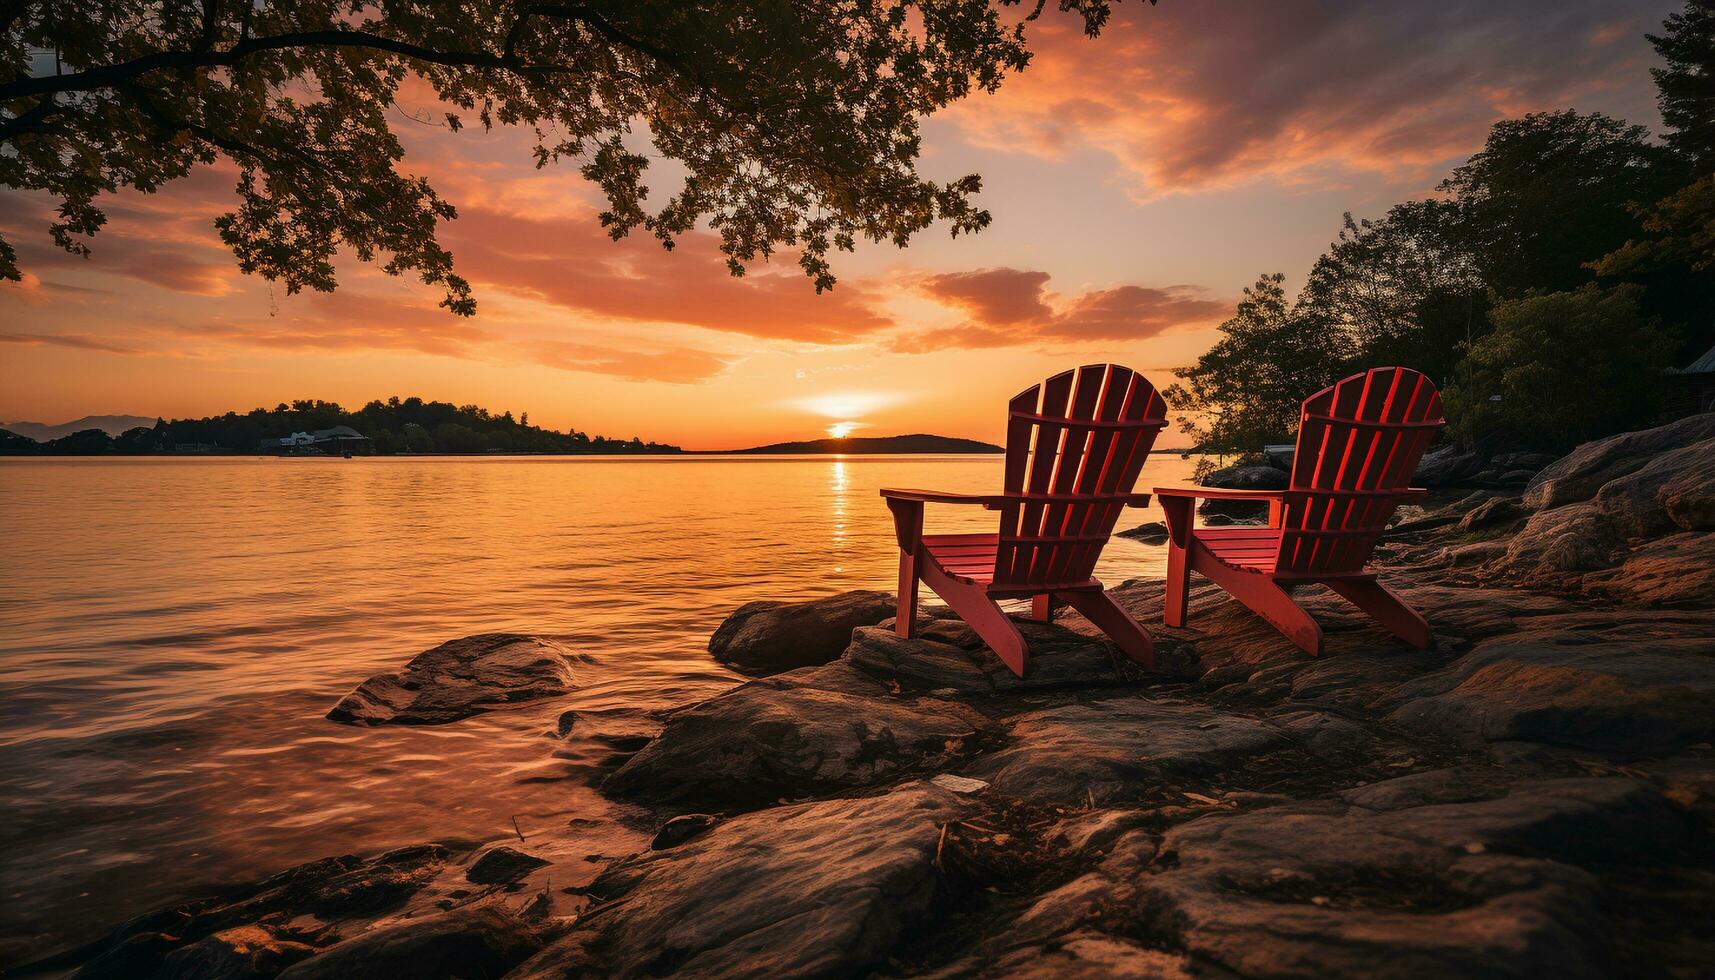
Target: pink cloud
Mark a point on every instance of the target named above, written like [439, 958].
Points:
[1010, 307]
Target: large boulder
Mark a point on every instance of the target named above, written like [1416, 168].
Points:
[1637, 504]
[818, 889]
[947, 656]
[1483, 888]
[264, 926]
[1447, 465]
[779, 738]
[1243, 478]
[1676, 570]
[484, 940]
[769, 637]
[1103, 750]
[462, 678]
[1578, 475]
[1564, 540]
[1645, 694]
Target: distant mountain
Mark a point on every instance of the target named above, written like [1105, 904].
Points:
[42, 432]
[875, 446]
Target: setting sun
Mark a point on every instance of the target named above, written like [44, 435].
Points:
[839, 430]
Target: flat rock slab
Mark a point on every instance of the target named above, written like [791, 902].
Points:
[1638, 696]
[1581, 473]
[820, 889]
[1488, 888]
[462, 678]
[1676, 570]
[1425, 883]
[268, 925]
[769, 637]
[483, 940]
[775, 738]
[1107, 749]
[947, 655]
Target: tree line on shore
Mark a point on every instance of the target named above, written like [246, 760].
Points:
[397, 425]
[1549, 286]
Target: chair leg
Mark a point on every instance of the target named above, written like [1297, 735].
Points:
[1261, 595]
[1042, 607]
[905, 610]
[982, 614]
[1179, 511]
[1130, 636]
[1385, 608]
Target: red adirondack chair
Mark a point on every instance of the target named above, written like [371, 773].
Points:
[1074, 447]
[1358, 445]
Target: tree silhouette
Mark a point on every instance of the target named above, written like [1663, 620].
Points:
[795, 124]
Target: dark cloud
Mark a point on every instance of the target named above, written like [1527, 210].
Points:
[570, 262]
[1190, 95]
[1011, 307]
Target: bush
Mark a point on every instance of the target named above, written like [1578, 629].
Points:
[1559, 369]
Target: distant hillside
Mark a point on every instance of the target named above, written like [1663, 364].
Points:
[42, 432]
[397, 425]
[876, 446]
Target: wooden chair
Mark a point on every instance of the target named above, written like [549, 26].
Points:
[1358, 445]
[1074, 447]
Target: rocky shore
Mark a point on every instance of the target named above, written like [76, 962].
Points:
[1533, 797]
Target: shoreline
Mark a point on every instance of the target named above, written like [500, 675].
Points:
[1536, 793]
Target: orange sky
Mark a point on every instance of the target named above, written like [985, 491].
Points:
[1138, 182]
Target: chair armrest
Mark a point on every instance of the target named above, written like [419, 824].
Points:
[990, 500]
[995, 501]
[1219, 493]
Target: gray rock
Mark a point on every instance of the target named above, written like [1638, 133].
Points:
[1492, 513]
[1154, 532]
[502, 864]
[770, 637]
[1676, 570]
[774, 738]
[232, 932]
[947, 655]
[1639, 696]
[1563, 540]
[1110, 749]
[1488, 888]
[820, 889]
[1243, 478]
[1636, 504]
[1578, 475]
[1447, 465]
[681, 829]
[238, 953]
[462, 678]
[1247, 478]
[483, 940]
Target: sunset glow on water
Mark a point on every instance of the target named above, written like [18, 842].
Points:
[172, 632]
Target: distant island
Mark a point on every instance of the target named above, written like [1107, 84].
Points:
[872, 446]
[397, 426]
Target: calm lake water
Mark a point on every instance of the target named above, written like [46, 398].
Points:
[172, 632]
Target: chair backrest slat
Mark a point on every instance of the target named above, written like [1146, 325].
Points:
[1357, 440]
[1075, 445]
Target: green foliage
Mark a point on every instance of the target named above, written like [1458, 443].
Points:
[1686, 83]
[795, 125]
[1453, 287]
[1551, 192]
[1560, 368]
[395, 425]
[1399, 290]
[1247, 389]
